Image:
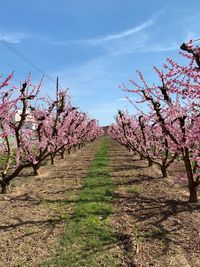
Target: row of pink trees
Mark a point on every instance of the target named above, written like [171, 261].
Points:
[170, 130]
[142, 135]
[33, 128]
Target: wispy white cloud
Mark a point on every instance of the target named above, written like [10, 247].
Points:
[14, 38]
[136, 39]
[18, 37]
[143, 38]
[102, 40]
[160, 47]
[118, 36]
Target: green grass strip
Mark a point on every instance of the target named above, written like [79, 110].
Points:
[88, 234]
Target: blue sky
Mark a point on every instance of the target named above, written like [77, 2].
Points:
[94, 46]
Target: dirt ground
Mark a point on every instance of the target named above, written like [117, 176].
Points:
[155, 224]
[32, 215]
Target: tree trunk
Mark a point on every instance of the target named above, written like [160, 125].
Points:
[193, 194]
[69, 151]
[5, 187]
[193, 187]
[62, 153]
[52, 160]
[150, 162]
[35, 170]
[164, 171]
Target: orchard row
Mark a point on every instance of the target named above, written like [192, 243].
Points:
[169, 129]
[33, 128]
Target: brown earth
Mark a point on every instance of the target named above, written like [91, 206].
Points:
[155, 223]
[32, 216]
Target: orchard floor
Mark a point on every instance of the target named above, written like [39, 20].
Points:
[153, 223]
[156, 225]
[33, 216]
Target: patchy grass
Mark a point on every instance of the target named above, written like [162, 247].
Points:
[88, 235]
[134, 189]
[34, 215]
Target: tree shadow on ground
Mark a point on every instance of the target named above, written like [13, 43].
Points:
[48, 223]
[157, 216]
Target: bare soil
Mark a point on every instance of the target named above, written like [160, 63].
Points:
[32, 216]
[155, 223]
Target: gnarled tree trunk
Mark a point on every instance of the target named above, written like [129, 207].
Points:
[5, 187]
[192, 185]
[62, 153]
[193, 189]
[52, 159]
[36, 169]
[164, 171]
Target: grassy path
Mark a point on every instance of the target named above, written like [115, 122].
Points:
[34, 215]
[88, 235]
[122, 215]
